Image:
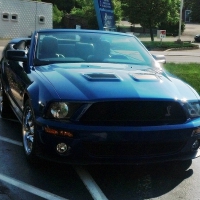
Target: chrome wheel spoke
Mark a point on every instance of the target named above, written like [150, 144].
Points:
[28, 131]
[30, 138]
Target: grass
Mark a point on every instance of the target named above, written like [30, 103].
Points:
[188, 72]
[156, 45]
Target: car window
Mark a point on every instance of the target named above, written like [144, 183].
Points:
[90, 47]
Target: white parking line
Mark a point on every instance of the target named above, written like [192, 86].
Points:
[30, 189]
[88, 181]
[10, 141]
[90, 184]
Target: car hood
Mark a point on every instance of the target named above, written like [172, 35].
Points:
[92, 82]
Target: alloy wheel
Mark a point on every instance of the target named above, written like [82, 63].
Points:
[28, 131]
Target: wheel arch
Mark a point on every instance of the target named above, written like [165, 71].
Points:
[32, 94]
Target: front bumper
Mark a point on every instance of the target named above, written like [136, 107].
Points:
[117, 144]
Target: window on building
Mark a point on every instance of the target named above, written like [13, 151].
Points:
[5, 16]
[41, 19]
[14, 17]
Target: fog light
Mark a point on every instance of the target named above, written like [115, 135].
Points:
[195, 145]
[61, 148]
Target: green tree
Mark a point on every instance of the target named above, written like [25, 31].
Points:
[150, 13]
[117, 7]
[57, 16]
[85, 9]
[194, 6]
[80, 8]
[173, 18]
[64, 5]
[188, 3]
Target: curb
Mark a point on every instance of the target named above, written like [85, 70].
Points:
[182, 49]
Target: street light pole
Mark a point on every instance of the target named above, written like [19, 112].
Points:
[180, 21]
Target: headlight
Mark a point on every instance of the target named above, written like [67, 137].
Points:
[61, 110]
[193, 109]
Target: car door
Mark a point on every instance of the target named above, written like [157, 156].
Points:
[16, 81]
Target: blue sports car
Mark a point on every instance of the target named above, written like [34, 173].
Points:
[97, 97]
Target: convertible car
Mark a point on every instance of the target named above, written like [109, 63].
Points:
[97, 97]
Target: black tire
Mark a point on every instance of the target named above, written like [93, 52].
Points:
[5, 109]
[28, 133]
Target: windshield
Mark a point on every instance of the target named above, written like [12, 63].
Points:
[92, 47]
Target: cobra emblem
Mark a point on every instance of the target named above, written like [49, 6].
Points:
[168, 113]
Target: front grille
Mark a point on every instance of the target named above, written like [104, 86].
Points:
[132, 149]
[134, 113]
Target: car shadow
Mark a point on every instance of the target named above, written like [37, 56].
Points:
[140, 182]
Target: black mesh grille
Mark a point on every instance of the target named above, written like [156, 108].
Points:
[134, 113]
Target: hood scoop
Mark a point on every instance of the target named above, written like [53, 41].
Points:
[101, 76]
[145, 77]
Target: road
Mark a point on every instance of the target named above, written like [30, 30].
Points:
[182, 56]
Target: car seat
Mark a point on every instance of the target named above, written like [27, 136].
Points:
[101, 52]
[49, 47]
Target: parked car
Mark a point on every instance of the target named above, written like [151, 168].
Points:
[197, 38]
[85, 96]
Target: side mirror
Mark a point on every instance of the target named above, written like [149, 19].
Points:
[16, 55]
[159, 58]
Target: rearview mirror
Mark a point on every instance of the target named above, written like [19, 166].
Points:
[160, 58]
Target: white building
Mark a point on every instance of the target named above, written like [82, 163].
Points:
[20, 18]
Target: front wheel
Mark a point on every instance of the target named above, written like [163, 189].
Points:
[28, 132]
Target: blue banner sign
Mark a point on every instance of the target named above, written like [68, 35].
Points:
[107, 19]
[106, 4]
[105, 14]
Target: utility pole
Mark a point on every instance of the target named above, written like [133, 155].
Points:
[180, 21]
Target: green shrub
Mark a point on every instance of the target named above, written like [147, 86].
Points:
[172, 29]
[157, 45]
